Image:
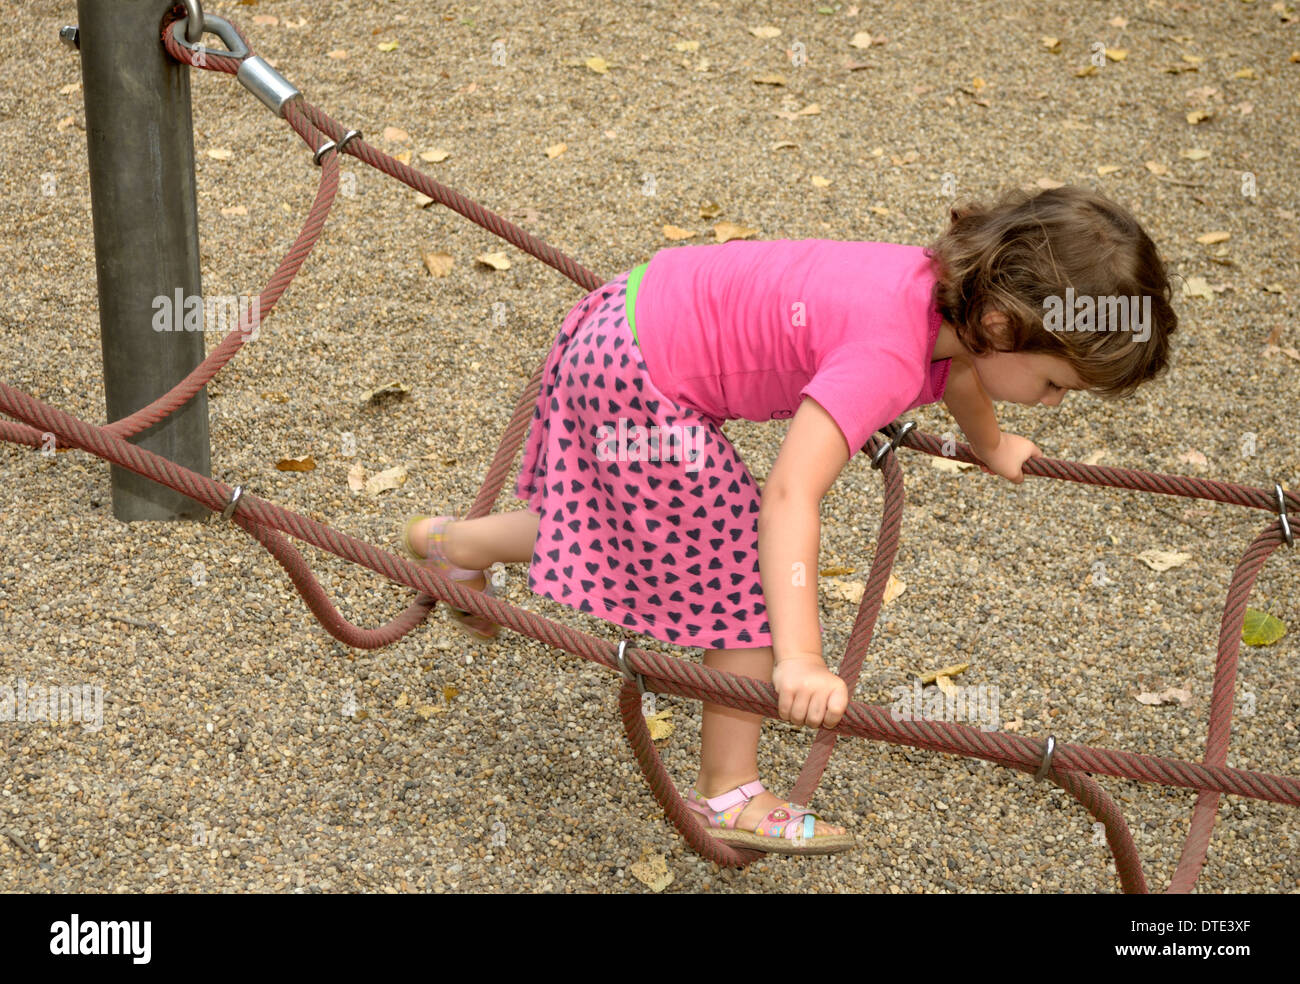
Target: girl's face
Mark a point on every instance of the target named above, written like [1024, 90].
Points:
[1028, 378]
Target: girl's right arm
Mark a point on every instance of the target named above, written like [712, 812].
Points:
[789, 537]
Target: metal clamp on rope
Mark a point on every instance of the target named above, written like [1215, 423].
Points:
[348, 138]
[1048, 752]
[894, 442]
[626, 670]
[1281, 515]
[233, 503]
[322, 150]
[255, 73]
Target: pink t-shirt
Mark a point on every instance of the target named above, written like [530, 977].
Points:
[748, 328]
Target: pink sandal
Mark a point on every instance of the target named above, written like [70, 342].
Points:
[475, 625]
[780, 832]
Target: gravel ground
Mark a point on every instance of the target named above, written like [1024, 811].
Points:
[225, 761]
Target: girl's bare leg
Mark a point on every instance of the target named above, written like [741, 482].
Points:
[729, 739]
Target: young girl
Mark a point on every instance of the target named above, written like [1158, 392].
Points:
[641, 512]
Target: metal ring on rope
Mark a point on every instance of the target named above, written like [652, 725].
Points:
[626, 670]
[1049, 750]
[233, 503]
[1281, 515]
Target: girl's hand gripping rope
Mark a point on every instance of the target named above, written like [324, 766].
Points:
[807, 692]
[1009, 457]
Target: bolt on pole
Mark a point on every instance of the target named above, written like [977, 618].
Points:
[140, 143]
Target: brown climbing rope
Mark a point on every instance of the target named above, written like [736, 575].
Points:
[1069, 766]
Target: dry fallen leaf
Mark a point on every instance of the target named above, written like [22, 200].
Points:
[725, 231]
[497, 260]
[1194, 154]
[850, 591]
[765, 32]
[265, 20]
[235, 210]
[1198, 287]
[893, 588]
[770, 79]
[652, 871]
[220, 153]
[945, 685]
[304, 464]
[555, 150]
[660, 725]
[1194, 458]
[780, 145]
[337, 53]
[403, 157]
[395, 134]
[687, 46]
[861, 40]
[710, 209]
[946, 671]
[1156, 168]
[1047, 183]
[1105, 169]
[820, 182]
[1197, 116]
[1163, 560]
[597, 64]
[1052, 44]
[357, 478]
[439, 264]
[1095, 457]
[390, 478]
[677, 232]
[1116, 54]
[951, 465]
[387, 46]
[434, 155]
[424, 201]
[1171, 696]
[389, 392]
[1210, 238]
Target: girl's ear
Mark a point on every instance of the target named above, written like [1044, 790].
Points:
[997, 327]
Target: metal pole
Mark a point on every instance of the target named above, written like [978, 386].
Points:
[141, 149]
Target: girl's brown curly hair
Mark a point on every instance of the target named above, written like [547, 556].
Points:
[1032, 246]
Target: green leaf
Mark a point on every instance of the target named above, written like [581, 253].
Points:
[1261, 629]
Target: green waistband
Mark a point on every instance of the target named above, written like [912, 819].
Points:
[633, 282]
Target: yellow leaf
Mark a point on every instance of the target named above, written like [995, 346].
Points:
[660, 725]
[1106, 169]
[850, 591]
[1261, 629]
[951, 465]
[386, 480]
[1156, 168]
[427, 711]
[765, 32]
[1052, 44]
[676, 232]
[837, 571]
[880, 210]
[1047, 183]
[404, 157]
[947, 671]
[403, 700]
[687, 46]
[235, 210]
[1194, 154]
[303, 464]
[337, 53]
[725, 231]
[449, 692]
[597, 64]
[555, 150]
[439, 264]
[1197, 116]
[861, 40]
[1083, 72]
[1198, 287]
[220, 153]
[395, 134]
[1116, 54]
[424, 201]
[1193, 59]
[782, 145]
[820, 182]
[946, 685]
[1245, 73]
[1210, 238]
[772, 79]
[710, 209]
[434, 155]
[497, 260]
[387, 45]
